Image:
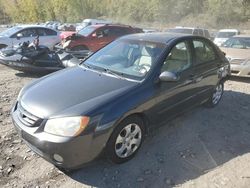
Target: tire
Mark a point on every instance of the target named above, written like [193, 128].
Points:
[122, 145]
[216, 95]
[79, 48]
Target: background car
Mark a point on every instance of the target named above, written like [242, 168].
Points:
[191, 30]
[19, 34]
[88, 22]
[237, 50]
[94, 37]
[225, 34]
[52, 24]
[118, 95]
[67, 27]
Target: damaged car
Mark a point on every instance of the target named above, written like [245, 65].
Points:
[94, 37]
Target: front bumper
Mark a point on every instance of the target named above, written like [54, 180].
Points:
[240, 70]
[72, 152]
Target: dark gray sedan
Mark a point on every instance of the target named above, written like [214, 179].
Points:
[116, 96]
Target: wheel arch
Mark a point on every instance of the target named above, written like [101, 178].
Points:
[140, 115]
[3, 46]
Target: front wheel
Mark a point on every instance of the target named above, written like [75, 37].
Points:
[126, 140]
[216, 95]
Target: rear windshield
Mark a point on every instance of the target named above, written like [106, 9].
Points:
[225, 34]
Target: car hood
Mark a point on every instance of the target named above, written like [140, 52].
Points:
[53, 95]
[2, 37]
[235, 53]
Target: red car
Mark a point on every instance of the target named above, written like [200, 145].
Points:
[95, 37]
[65, 34]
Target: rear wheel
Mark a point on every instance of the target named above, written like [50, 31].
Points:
[216, 95]
[126, 140]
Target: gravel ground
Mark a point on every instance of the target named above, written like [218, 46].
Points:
[207, 148]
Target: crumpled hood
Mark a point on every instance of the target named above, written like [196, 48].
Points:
[71, 87]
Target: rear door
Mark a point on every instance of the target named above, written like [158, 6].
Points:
[48, 37]
[206, 66]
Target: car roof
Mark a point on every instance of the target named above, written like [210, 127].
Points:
[228, 30]
[180, 27]
[33, 26]
[159, 37]
[116, 25]
[241, 36]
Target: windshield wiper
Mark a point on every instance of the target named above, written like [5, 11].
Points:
[113, 73]
[89, 66]
[108, 71]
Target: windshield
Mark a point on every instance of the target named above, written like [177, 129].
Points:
[237, 42]
[86, 31]
[185, 31]
[131, 59]
[225, 34]
[11, 31]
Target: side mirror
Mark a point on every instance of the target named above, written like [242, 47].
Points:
[168, 77]
[94, 35]
[19, 35]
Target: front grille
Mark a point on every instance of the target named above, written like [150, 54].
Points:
[27, 118]
[237, 61]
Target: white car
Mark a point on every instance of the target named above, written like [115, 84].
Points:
[18, 34]
[224, 34]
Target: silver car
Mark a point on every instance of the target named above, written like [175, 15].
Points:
[18, 34]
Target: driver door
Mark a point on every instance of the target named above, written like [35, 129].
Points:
[174, 97]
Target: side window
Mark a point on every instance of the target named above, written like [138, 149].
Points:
[118, 31]
[50, 32]
[27, 33]
[41, 32]
[204, 52]
[179, 59]
[207, 34]
[195, 32]
[103, 32]
[200, 32]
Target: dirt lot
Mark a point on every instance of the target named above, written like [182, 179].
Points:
[207, 148]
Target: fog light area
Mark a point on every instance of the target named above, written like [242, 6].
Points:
[58, 158]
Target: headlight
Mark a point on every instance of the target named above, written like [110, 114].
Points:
[66, 44]
[246, 62]
[68, 126]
